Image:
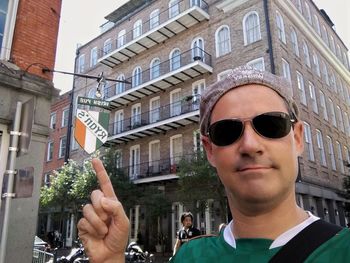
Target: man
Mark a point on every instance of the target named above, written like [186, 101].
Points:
[252, 136]
[187, 232]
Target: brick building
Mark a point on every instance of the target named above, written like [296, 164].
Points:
[28, 37]
[169, 51]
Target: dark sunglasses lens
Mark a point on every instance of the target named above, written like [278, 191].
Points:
[225, 132]
[272, 125]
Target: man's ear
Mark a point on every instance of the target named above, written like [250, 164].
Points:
[299, 137]
[208, 149]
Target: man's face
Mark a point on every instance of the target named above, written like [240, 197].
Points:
[187, 223]
[255, 170]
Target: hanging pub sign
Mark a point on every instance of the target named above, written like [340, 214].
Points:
[93, 102]
[91, 129]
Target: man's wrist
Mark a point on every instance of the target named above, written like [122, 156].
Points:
[116, 259]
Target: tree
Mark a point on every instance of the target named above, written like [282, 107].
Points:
[199, 182]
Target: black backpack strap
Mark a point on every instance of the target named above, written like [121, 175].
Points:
[305, 242]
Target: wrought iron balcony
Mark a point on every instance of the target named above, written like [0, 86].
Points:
[163, 75]
[156, 121]
[160, 27]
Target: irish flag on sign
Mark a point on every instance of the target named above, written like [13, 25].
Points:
[91, 129]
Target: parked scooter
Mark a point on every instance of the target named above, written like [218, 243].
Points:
[135, 254]
[76, 255]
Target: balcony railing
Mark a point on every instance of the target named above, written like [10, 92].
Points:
[158, 28]
[160, 76]
[178, 108]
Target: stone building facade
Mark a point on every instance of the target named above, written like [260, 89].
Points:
[169, 51]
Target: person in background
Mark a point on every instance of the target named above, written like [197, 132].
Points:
[252, 134]
[187, 232]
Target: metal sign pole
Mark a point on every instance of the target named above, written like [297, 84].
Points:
[11, 172]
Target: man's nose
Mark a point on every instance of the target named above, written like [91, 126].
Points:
[250, 141]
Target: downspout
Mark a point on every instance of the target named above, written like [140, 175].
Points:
[269, 36]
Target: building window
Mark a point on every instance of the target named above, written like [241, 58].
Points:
[118, 159]
[308, 142]
[251, 28]
[175, 59]
[280, 27]
[333, 84]
[332, 112]
[323, 106]
[65, 116]
[340, 118]
[197, 47]
[222, 41]
[107, 46]
[49, 151]
[121, 38]
[325, 73]
[306, 54]
[136, 77]
[346, 124]
[118, 121]
[176, 150]
[331, 153]
[120, 84]
[313, 97]
[81, 63]
[257, 64]
[286, 70]
[301, 88]
[155, 68]
[317, 24]
[308, 13]
[134, 169]
[93, 57]
[53, 120]
[294, 40]
[136, 115]
[197, 89]
[332, 44]
[137, 31]
[3, 14]
[320, 148]
[62, 150]
[154, 19]
[175, 101]
[325, 35]
[154, 109]
[154, 157]
[174, 8]
[340, 157]
[316, 63]
[47, 180]
[299, 6]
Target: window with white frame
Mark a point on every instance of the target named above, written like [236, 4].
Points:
[93, 57]
[316, 63]
[53, 120]
[317, 24]
[63, 144]
[196, 3]
[251, 28]
[346, 124]
[286, 70]
[154, 19]
[197, 47]
[118, 122]
[155, 68]
[175, 102]
[257, 64]
[299, 6]
[174, 8]
[333, 84]
[137, 29]
[224, 74]
[306, 54]
[340, 157]
[340, 119]
[332, 45]
[134, 162]
[121, 38]
[176, 149]
[197, 89]
[107, 46]
[341, 89]
[120, 84]
[325, 73]
[308, 142]
[332, 112]
[222, 41]
[136, 79]
[3, 15]
[280, 27]
[308, 13]
[320, 148]
[313, 97]
[136, 115]
[294, 41]
[331, 153]
[346, 60]
[175, 59]
[49, 154]
[301, 88]
[81, 63]
[154, 113]
[154, 156]
[323, 105]
[325, 35]
[65, 116]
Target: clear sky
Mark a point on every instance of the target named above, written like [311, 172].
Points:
[80, 25]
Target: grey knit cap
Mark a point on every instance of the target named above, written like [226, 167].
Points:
[241, 76]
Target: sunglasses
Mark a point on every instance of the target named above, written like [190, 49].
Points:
[272, 125]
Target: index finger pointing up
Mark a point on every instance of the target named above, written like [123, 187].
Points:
[102, 176]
